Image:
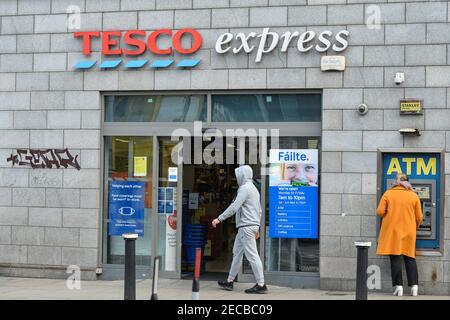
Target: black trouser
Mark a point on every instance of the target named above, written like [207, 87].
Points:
[396, 270]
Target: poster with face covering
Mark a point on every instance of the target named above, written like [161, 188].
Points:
[293, 193]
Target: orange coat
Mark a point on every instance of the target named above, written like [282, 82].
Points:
[402, 214]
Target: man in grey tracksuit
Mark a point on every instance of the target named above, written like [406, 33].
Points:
[247, 208]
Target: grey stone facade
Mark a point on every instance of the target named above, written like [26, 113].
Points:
[51, 218]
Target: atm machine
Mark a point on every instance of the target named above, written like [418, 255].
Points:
[426, 191]
[425, 172]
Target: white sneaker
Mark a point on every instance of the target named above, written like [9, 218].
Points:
[415, 290]
[398, 291]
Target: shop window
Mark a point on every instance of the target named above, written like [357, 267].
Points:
[148, 108]
[129, 159]
[289, 254]
[267, 108]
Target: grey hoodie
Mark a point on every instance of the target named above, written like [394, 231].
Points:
[247, 205]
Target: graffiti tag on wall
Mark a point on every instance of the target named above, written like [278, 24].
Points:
[41, 159]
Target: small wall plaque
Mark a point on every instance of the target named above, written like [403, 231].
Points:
[411, 106]
[332, 63]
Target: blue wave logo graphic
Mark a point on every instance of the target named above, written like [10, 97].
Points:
[136, 64]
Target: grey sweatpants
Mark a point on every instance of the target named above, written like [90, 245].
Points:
[245, 243]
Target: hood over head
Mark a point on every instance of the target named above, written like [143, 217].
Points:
[243, 174]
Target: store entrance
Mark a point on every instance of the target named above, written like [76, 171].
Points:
[207, 191]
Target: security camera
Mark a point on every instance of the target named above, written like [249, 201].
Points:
[362, 109]
[399, 78]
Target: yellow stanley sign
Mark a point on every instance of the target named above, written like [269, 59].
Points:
[410, 107]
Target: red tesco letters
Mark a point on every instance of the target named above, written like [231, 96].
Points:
[136, 39]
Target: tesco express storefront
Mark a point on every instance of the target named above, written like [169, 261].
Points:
[174, 152]
[134, 120]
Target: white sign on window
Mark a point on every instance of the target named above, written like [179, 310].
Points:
[173, 174]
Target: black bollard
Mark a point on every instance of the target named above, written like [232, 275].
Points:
[361, 269]
[130, 266]
[154, 295]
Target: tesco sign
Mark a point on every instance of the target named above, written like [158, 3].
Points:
[139, 42]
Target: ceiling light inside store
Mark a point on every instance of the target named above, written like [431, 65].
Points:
[312, 144]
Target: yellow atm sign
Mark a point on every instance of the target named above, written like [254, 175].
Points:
[418, 166]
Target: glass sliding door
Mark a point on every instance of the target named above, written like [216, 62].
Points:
[168, 216]
[133, 153]
[129, 159]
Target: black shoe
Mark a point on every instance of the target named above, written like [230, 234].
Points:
[226, 285]
[257, 289]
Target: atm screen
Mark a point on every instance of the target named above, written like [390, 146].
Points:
[423, 192]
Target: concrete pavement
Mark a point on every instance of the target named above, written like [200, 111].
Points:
[51, 289]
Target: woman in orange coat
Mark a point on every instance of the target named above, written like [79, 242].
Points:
[402, 214]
